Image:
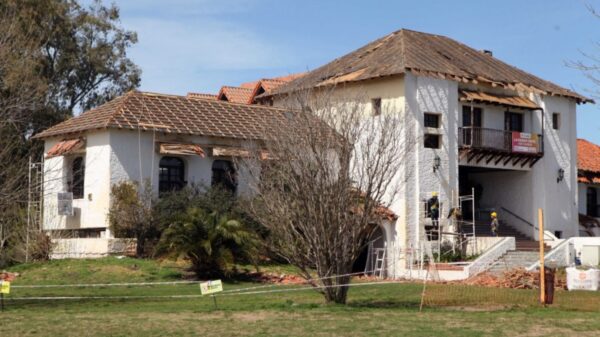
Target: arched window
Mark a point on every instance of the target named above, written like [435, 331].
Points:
[77, 177]
[170, 174]
[223, 175]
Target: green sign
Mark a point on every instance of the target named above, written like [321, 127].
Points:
[211, 287]
[4, 287]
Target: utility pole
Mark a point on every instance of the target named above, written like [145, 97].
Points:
[542, 266]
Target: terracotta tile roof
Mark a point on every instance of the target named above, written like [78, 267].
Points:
[235, 94]
[268, 85]
[200, 95]
[588, 156]
[65, 147]
[588, 162]
[174, 115]
[428, 55]
[249, 85]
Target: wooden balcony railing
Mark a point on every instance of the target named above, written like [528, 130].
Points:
[500, 140]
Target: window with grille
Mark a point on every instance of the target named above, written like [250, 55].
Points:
[77, 177]
[171, 172]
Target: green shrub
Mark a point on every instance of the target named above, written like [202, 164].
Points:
[213, 241]
[131, 215]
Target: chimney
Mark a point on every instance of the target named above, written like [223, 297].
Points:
[487, 52]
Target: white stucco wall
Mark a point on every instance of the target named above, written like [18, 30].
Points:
[134, 158]
[90, 211]
[391, 90]
[425, 94]
[113, 156]
[559, 200]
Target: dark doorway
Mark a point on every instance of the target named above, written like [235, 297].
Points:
[592, 202]
[224, 175]
[378, 238]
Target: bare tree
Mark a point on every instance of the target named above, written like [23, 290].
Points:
[590, 64]
[20, 94]
[332, 165]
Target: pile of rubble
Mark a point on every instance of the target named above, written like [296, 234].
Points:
[515, 279]
[6, 276]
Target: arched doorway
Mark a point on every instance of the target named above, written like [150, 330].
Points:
[374, 248]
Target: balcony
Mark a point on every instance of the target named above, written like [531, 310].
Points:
[500, 147]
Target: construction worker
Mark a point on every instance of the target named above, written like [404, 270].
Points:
[434, 209]
[494, 224]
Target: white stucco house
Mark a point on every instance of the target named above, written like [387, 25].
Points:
[487, 136]
[170, 141]
[484, 129]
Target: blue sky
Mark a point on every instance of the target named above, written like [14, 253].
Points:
[199, 45]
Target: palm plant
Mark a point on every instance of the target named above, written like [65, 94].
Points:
[211, 240]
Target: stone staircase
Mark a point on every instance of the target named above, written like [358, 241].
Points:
[514, 259]
[526, 253]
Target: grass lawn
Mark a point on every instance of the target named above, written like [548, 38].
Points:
[373, 310]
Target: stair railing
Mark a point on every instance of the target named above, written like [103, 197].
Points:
[522, 220]
[562, 255]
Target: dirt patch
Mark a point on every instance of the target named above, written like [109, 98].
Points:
[514, 279]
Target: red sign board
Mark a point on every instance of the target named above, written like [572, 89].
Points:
[523, 142]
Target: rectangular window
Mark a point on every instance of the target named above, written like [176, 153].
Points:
[77, 177]
[513, 121]
[472, 116]
[592, 202]
[431, 141]
[556, 121]
[376, 106]
[431, 120]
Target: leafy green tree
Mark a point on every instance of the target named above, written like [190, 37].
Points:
[82, 55]
[57, 58]
[211, 240]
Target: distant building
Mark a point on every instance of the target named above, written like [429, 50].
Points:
[588, 177]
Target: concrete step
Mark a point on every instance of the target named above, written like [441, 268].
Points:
[514, 259]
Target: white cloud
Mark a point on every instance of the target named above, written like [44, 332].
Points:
[207, 44]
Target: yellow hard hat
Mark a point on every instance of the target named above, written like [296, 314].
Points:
[434, 194]
[494, 214]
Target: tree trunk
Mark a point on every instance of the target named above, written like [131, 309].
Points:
[141, 243]
[336, 290]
